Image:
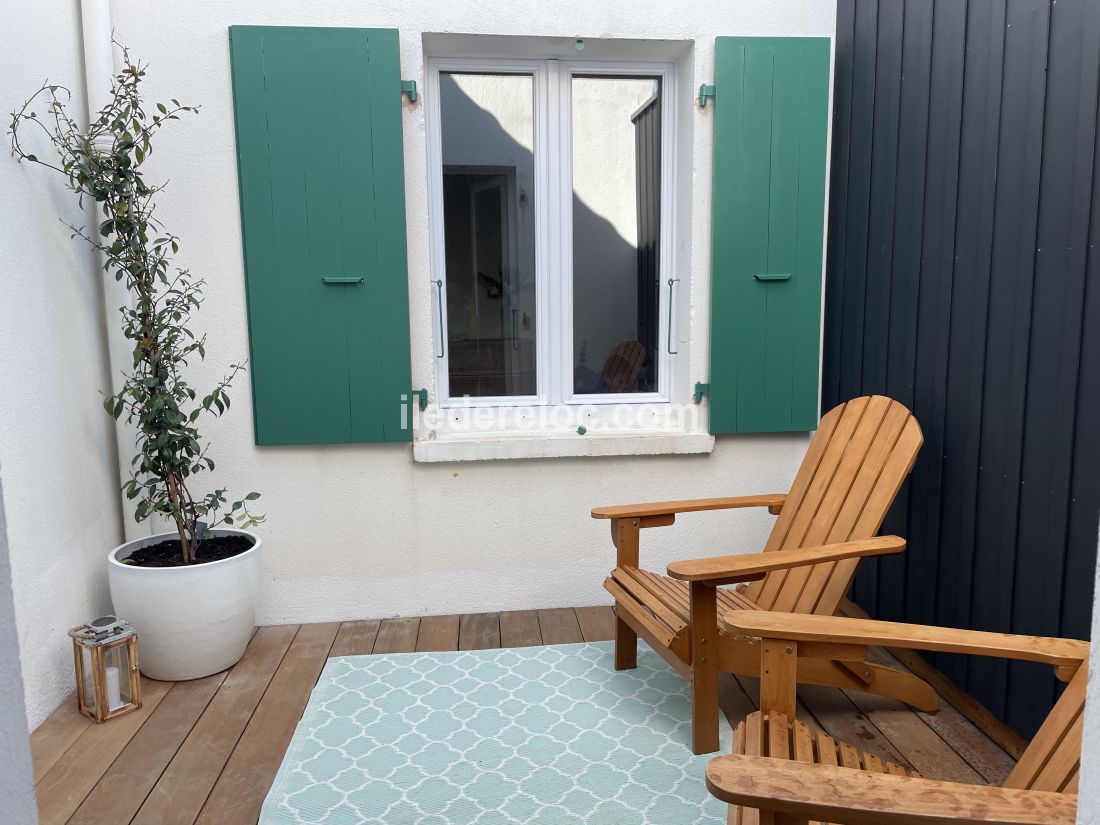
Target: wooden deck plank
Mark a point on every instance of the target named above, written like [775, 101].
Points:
[126, 784]
[56, 735]
[355, 638]
[397, 636]
[918, 743]
[182, 789]
[733, 700]
[841, 719]
[247, 776]
[218, 768]
[83, 764]
[438, 633]
[479, 631]
[597, 623]
[967, 740]
[519, 628]
[970, 743]
[976, 713]
[559, 626]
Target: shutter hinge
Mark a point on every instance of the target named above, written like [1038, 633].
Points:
[705, 91]
[701, 389]
[422, 396]
[408, 87]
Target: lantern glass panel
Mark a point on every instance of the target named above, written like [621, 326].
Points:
[116, 662]
[88, 671]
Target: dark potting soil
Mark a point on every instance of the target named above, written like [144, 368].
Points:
[168, 553]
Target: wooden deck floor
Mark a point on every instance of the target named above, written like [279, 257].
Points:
[206, 751]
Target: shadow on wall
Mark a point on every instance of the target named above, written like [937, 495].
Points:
[605, 306]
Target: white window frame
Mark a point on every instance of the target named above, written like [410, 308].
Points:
[552, 148]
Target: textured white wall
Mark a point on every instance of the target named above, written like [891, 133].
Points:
[16, 781]
[363, 531]
[1088, 807]
[56, 443]
[603, 158]
[353, 531]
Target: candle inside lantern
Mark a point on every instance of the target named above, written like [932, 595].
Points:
[114, 694]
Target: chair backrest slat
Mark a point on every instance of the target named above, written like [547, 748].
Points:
[855, 464]
[1053, 759]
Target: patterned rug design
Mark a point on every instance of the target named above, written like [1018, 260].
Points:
[548, 735]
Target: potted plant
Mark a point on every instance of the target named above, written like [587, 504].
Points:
[191, 592]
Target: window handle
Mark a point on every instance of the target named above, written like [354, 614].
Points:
[515, 332]
[671, 283]
[439, 305]
[772, 276]
[345, 281]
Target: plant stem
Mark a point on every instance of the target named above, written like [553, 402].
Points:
[181, 523]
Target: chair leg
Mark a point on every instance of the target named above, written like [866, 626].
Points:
[626, 646]
[704, 668]
[704, 707]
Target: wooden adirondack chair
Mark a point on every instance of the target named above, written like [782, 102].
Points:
[856, 462]
[620, 370]
[781, 775]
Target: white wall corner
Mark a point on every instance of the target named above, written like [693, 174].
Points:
[16, 777]
[1088, 805]
[57, 445]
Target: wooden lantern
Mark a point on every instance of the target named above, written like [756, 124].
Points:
[108, 683]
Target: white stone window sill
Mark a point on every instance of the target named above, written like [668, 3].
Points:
[503, 445]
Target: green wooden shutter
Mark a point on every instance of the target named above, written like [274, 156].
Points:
[771, 120]
[318, 116]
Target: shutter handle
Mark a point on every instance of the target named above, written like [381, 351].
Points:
[772, 276]
[342, 281]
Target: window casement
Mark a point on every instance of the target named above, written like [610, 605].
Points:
[550, 209]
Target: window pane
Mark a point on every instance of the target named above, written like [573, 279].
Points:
[616, 228]
[489, 232]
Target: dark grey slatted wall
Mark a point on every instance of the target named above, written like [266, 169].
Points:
[962, 280]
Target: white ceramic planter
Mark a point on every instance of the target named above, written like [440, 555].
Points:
[191, 621]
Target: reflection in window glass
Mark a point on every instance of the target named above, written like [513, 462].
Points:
[489, 232]
[616, 228]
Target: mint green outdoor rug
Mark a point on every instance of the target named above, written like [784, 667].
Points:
[549, 735]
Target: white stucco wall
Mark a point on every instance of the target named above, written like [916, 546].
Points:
[16, 780]
[353, 531]
[1088, 806]
[56, 443]
[364, 531]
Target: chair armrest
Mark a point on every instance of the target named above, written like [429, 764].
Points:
[833, 794]
[728, 569]
[773, 501]
[801, 627]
